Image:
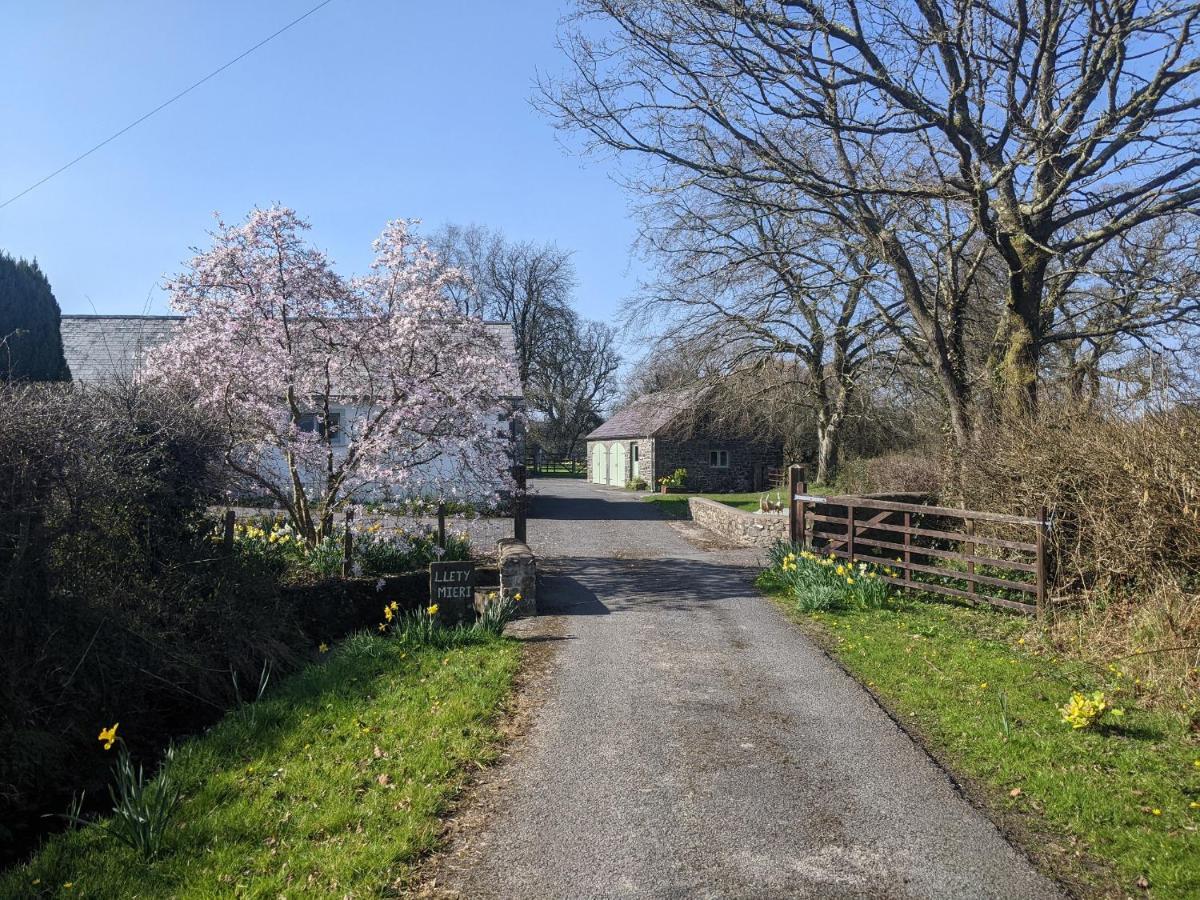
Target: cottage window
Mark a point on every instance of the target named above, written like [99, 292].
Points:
[327, 426]
[718, 459]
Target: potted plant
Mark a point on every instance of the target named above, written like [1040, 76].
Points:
[672, 482]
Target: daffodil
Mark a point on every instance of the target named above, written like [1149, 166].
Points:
[324, 648]
[109, 735]
[432, 609]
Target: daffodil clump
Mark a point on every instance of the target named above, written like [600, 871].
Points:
[378, 550]
[819, 582]
[1087, 710]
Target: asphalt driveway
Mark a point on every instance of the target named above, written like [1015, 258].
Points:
[694, 744]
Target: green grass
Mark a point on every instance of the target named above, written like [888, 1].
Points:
[332, 787]
[676, 505]
[975, 685]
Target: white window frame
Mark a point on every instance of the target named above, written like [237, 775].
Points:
[338, 417]
[715, 458]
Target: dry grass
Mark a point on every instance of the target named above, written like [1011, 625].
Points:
[1124, 497]
[917, 471]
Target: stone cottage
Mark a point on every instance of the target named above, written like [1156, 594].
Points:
[669, 430]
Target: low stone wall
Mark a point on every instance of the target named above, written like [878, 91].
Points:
[738, 525]
[518, 574]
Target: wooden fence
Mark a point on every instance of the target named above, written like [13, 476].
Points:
[980, 557]
[539, 464]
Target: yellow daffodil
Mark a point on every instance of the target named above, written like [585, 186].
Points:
[432, 609]
[387, 613]
[1082, 711]
[109, 735]
[382, 627]
[324, 648]
[517, 597]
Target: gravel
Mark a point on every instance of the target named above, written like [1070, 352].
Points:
[693, 743]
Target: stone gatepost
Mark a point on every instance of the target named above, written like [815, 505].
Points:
[518, 574]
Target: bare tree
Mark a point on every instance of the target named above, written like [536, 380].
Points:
[573, 384]
[780, 292]
[525, 284]
[1043, 132]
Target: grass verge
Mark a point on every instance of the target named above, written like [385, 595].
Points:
[676, 505]
[1111, 811]
[331, 786]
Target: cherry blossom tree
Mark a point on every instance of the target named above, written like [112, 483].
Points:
[332, 390]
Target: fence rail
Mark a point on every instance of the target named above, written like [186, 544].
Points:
[540, 464]
[982, 557]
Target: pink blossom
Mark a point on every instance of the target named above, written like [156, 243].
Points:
[276, 345]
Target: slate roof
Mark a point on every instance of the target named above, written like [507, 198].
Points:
[100, 347]
[648, 415]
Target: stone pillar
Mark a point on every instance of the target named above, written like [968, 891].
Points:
[518, 574]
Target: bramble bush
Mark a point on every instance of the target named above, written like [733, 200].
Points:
[115, 603]
[1124, 500]
[119, 604]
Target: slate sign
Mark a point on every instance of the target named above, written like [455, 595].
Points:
[452, 583]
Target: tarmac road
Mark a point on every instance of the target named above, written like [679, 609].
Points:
[693, 743]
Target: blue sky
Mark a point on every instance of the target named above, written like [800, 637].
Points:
[368, 110]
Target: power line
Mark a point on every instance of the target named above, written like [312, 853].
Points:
[166, 103]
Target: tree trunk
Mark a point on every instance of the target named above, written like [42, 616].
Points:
[827, 448]
[1018, 370]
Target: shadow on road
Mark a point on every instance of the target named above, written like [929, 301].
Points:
[575, 588]
[544, 506]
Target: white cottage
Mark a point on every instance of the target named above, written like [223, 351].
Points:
[104, 347]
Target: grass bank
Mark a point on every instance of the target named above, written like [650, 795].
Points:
[1113, 809]
[676, 505]
[331, 786]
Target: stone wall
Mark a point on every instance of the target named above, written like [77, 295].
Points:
[739, 526]
[747, 462]
[518, 574]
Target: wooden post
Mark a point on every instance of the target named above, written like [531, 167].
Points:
[795, 483]
[519, 530]
[970, 552]
[442, 525]
[850, 531]
[1042, 527]
[907, 549]
[227, 534]
[802, 513]
[348, 545]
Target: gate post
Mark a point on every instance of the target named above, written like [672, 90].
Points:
[348, 544]
[519, 504]
[796, 523]
[1042, 528]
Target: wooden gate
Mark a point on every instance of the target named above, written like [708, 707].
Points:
[981, 557]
